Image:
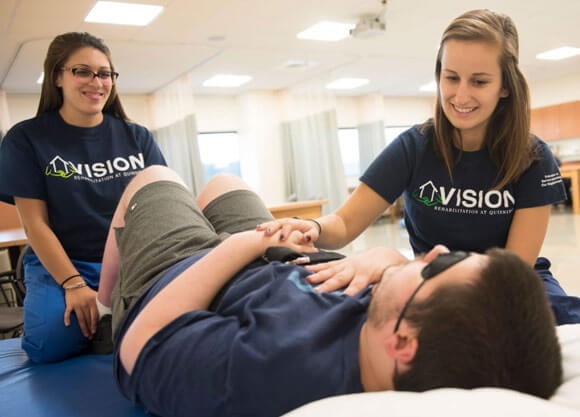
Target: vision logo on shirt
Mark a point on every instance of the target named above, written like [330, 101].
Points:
[101, 171]
[58, 167]
[467, 201]
[427, 194]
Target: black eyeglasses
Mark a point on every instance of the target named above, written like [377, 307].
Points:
[433, 268]
[86, 74]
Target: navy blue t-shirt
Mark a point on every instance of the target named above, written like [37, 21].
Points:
[79, 172]
[463, 213]
[271, 345]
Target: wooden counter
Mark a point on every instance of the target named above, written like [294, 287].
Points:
[311, 209]
[572, 170]
[12, 237]
[9, 217]
[13, 240]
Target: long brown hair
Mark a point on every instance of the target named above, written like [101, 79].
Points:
[59, 51]
[507, 137]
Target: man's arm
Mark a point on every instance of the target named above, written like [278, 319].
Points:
[195, 288]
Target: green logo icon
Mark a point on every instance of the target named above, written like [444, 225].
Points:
[428, 195]
[58, 167]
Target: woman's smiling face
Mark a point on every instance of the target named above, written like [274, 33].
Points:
[84, 99]
[470, 87]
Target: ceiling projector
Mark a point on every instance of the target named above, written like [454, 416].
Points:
[369, 27]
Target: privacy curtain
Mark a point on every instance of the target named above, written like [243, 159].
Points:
[371, 141]
[175, 131]
[312, 162]
[4, 116]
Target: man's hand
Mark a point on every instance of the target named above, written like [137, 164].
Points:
[354, 272]
[295, 241]
[284, 227]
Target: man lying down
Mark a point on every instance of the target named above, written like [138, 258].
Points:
[206, 327]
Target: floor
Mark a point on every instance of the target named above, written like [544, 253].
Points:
[561, 246]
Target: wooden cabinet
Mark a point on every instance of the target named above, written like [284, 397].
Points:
[9, 217]
[304, 209]
[569, 118]
[561, 121]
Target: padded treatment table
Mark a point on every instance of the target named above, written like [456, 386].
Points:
[83, 386]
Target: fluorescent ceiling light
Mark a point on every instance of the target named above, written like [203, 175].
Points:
[346, 83]
[429, 88]
[327, 31]
[300, 63]
[226, 80]
[559, 53]
[40, 78]
[123, 13]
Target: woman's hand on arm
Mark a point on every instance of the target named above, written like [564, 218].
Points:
[359, 211]
[285, 226]
[527, 232]
[354, 272]
[34, 217]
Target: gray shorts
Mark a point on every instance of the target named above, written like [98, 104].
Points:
[164, 225]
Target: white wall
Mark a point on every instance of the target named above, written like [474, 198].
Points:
[560, 90]
[256, 116]
[23, 106]
[137, 109]
[222, 113]
[396, 111]
[217, 113]
[261, 145]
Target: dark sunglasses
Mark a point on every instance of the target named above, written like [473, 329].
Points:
[432, 269]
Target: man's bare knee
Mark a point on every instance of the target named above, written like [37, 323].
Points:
[149, 175]
[218, 185]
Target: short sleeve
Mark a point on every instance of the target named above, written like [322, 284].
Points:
[389, 174]
[541, 184]
[19, 168]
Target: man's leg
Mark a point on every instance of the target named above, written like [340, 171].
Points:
[231, 206]
[102, 342]
[110, 267]
[566, 307]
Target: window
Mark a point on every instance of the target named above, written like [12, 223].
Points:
[391, 132]
[219, 153]
[349, 150]
[348, 141]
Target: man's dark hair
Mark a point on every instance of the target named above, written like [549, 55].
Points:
[497, 331]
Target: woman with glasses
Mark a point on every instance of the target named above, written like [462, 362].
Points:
[472, 177]
[65, 171]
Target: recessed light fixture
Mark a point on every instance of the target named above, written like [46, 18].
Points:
[347, 83]
[429, 87]
[40, 78]
[216, 38]
[559, 53]
[118, 13]
[226, 80]
[300, 63]
[327, 31]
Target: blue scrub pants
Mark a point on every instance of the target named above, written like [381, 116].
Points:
[46, 338]
[566, 308]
